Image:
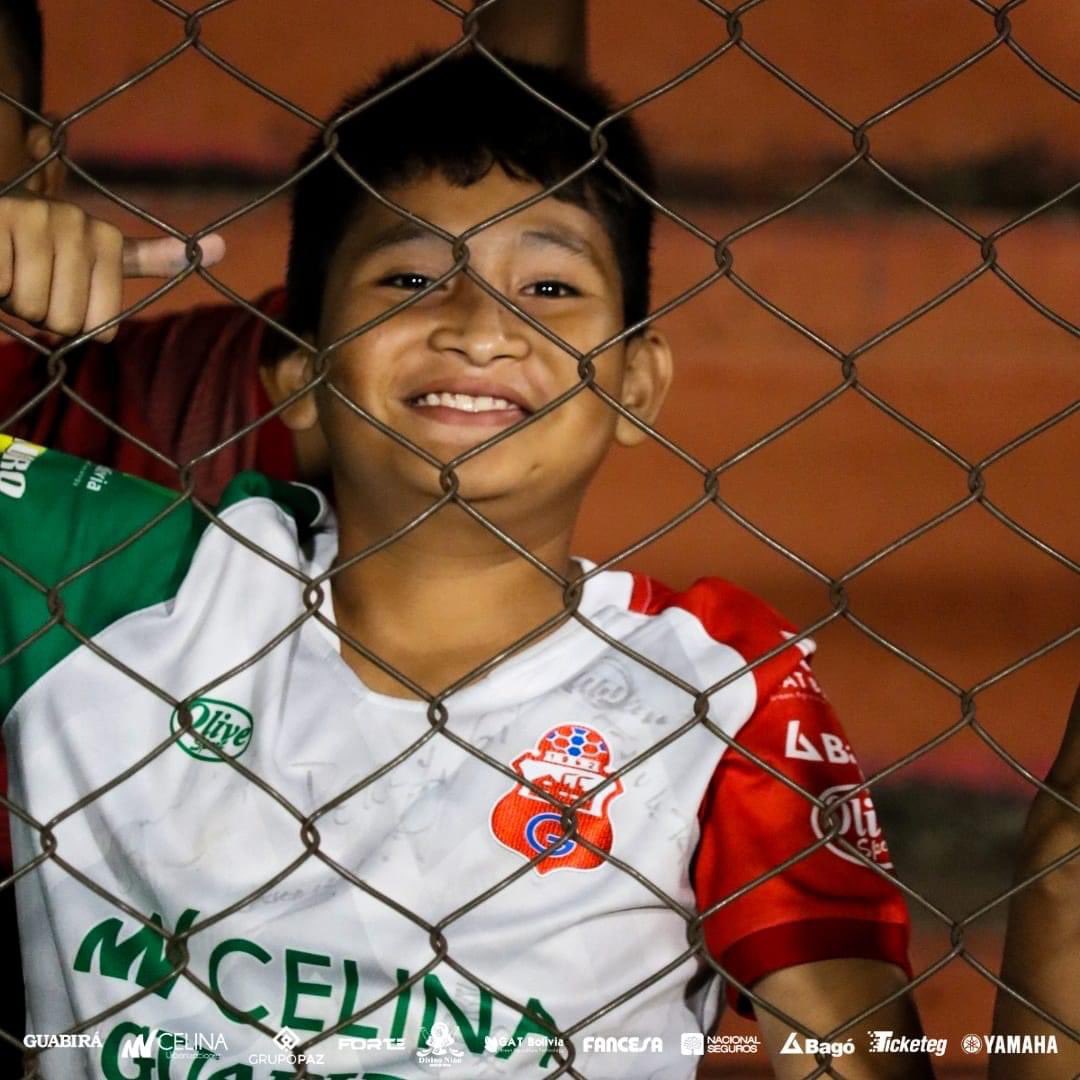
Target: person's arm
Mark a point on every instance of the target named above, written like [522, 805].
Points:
[549, 32]
[826, 938]
[181, 383]
[1042, 941]
[62, 270]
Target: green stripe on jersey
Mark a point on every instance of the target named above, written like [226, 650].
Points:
[59, 514]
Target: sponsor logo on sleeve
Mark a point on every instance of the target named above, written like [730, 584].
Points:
[858, 825]
[805, 645]
[800, 683]
[95, 477]
[16, 457]
[828, 747]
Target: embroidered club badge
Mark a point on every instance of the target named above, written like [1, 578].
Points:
[567, 763]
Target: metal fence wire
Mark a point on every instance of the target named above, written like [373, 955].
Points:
[970, 484]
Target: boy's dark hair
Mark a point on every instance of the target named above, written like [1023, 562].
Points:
[20, 24]
[460, 119]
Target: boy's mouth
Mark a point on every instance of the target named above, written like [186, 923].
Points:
[483, 406]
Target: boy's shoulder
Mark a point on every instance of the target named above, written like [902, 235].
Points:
[732, 616]
[83, 546]
[39, 485]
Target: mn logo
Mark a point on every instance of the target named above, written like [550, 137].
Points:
[567, 763]
[227, 728]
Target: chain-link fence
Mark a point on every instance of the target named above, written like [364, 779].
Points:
[971, 479]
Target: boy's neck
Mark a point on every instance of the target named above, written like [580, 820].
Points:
[443, 599]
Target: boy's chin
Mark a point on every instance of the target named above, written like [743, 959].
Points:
[503, 491]
[479, 482]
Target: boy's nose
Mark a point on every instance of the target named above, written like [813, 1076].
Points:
[479, 328]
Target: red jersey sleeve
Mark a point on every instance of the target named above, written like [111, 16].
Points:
[827, 905]
[181, 383]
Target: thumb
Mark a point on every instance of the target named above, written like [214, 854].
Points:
[165, 256]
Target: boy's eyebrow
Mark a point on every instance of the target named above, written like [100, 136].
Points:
[567, 239]
[402, 231]
[405, 231]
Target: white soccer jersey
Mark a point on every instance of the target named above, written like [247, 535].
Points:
[415, 886]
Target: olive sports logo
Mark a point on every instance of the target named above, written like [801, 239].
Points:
[566, 764]
[227, 727]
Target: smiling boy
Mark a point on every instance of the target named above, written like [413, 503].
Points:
[488, 786]
[179, 383]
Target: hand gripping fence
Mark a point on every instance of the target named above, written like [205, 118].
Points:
[971, 489]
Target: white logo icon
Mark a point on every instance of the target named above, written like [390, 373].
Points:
[692, 1042]
[879, 1041]
[286, 1038]
[799, 747]
[439, 1051]
[791, 1045]
[971, 1044]
[139, 1046]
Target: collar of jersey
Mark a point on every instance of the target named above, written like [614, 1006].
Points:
[537, 668]
[307, 506]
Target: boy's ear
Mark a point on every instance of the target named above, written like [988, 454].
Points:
[646, 381]
[49, 181]
[282, 379]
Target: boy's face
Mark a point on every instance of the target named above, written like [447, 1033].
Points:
[456, 368]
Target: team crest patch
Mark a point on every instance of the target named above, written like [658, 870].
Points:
[567, 762]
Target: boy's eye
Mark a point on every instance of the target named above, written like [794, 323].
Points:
[552, 290]
[411, 281]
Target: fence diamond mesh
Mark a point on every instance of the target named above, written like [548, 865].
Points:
[970, 486]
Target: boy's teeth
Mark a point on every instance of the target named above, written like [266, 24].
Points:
[466, 402]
